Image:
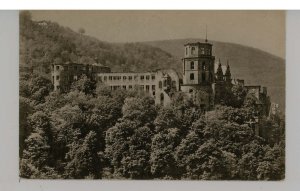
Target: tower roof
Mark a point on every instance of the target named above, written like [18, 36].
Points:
[228, 73]
[223, 67]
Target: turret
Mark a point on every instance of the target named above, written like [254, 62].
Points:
[228, 73]
[219, 74]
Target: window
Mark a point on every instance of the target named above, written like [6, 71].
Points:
[124, 87]
[192, 65]
[207, 52]
[142, 77]
[162, 97]
[147, 77]
[191, 91]
[202, 51]
[160, 84]
[124, 77]
[100, 78]
[153, 93]
[66, 68]
[192, 77]
[153, 77]
[129, 77]
[193, 50]
[57, 77]
[165, 83]
[142, 87]
[130, 86]
[75, 67]
[203, 66]
[186, 50]
[105, 78]
[110, 77]
[147, 88]
[153, 87]
[57, 67]
[135, 77]
[203, 77]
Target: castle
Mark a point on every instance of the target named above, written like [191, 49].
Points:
[202, 81]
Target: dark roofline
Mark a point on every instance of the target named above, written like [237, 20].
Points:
[74, 63]
[198, 43]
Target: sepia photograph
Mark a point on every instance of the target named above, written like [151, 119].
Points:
[152, 95]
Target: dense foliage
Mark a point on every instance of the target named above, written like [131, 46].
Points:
[92, 132]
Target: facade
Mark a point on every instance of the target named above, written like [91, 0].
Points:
[160, 84]
[203, 81]
[64, 74]
[198, 73]
[262, 100]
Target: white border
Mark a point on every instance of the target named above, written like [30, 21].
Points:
[150, 4]
[9, 180]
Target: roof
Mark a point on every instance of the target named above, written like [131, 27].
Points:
[222, 66]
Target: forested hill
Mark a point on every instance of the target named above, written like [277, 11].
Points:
[255, 66]
[43, 43]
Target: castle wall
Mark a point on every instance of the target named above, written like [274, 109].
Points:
[157, 84]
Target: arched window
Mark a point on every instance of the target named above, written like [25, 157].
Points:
[160, 84]
[192, 77]
[192, 65]
[165, 83]
[162, 98]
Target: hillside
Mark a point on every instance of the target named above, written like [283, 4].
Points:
[43, 43]
[255, 66]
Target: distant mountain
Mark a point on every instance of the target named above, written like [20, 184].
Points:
[255, 66]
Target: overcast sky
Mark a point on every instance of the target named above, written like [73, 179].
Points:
[260, 29]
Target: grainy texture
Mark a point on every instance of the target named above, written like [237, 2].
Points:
[91, 109]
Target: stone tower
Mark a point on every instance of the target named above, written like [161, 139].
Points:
[198, 73]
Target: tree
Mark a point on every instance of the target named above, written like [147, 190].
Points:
[141, 110]
[136, 163]
[35, 156]
[239, 93]
[37, 159]
[84, 84]
[272, 167]
[208, 162]
[84, 161]
[117, 145]
[162, 159]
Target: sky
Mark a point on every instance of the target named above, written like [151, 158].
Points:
[264, 30]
